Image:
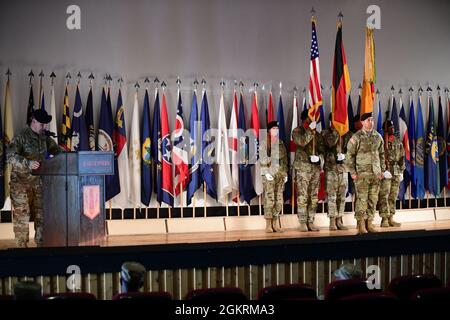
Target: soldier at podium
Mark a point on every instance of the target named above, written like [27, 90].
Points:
[24, 153]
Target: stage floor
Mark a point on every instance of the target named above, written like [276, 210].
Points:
[249, 235]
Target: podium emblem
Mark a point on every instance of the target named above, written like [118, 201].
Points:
[91, 201]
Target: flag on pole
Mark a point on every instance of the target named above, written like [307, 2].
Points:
[105, 143]
[431, 153]
[43, 100]
[282, 134]
[448, 139]
[394, 117]
[314, 92]
[246, 188]
[223, 172]
[370, 76]
[8, 134]
[121, 146]
[442, 148]
[256, 167]
[90, 120]
[358, 124]
[79, 134]
[166, 156]
[30, 107]
[380, 118]
[351, 127]
[135, 155]
[146, 147]
[292, 145]
[341, 86]
[270, 114]
[206, 165]
[65, 139]
[156, 147]
[195, 178]
[412, 146]
[2, 165]
[404, 136]
[52, 126]
[180, 152]
[420, 155]
[233, 144]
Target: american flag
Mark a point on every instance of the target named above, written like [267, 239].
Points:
[315, 95]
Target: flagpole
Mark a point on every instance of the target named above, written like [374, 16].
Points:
[222, 85]
[195, 142]
[181, 183]
[155, 167]
[163, 86]
[256, 101]
[204, 182]
[41, 75]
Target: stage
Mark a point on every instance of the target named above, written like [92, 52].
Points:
[250, 259]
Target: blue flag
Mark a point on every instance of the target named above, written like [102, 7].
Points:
[195, 178]
[156, 139]
[105, 143]
[89, 118]
[431, 153]
[442, 146]
[412, 147]
[246, 188]
[207, 169]
[146, 153]
[282, 133]
[394, 118]
[79, 131]
[420, 155]
[380, 119]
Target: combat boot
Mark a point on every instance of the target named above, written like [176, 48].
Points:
[269, 225]
[340, 224]
[303, 227]
[369, 226]
[333, 224]
[21, 243]
[384, 222]
[392, 223]
[312, 227]
[361, 227]
[276, 225]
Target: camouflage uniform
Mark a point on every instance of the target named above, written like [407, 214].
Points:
[25, 188]
[365, 158]
[389, 187]
[276, 165]
[336, 172]
[307, 173]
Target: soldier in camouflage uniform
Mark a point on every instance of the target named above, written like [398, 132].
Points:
[307, 166]
[273, 159]
[336, 175]
[24, 153]
[395, 162]
[365, 162]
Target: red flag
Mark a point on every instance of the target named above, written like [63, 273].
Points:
[166, 159]
[270, 112]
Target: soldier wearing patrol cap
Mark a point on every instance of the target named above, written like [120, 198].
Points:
[366, 164]
[307, 166]
[132, 276]
[273, 159]
[395, 165]
[25, 152]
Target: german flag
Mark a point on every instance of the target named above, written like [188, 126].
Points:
[65, 140]
[341, 86]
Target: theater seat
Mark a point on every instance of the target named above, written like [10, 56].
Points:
[296, 291]
[403, 287]
[70, 296]
[339, 289]
[372, 296]
[432, 294]
[5, 297]
[148, 296]
[216, 295]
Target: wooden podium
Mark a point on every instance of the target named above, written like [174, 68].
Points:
[73, 197]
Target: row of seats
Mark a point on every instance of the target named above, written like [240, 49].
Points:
[416, 287]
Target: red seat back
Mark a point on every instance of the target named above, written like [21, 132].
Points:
[404, 286]
[288, 292]
[216, 295]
